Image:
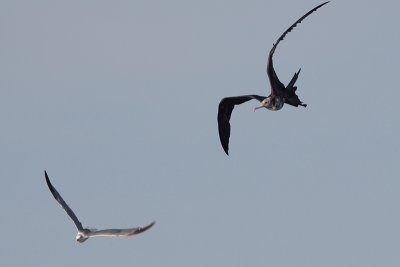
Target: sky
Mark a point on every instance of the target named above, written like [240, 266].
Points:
[117, 101]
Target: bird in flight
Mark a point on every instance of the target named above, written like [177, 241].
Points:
[278, 96]
[83, 233]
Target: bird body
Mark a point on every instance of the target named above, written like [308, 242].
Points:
[279, 95]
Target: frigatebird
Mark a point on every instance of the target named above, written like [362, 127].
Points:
[279, 93]
[84, 233]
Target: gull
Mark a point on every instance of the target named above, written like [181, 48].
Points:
[84, 233]
[279, 93]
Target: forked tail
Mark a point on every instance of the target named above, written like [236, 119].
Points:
[290, 86]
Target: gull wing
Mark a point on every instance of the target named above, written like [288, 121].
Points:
[225, 109]
[120, 232]
[276, 84]
[64, 205]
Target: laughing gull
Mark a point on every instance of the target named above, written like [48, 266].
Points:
[84, 233]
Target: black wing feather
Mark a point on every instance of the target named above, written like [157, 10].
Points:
[276, 84]
[225, 109]
[294, 25]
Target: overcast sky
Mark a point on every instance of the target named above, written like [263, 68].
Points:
[118, 101]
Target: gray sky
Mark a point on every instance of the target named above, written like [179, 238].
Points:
[118, 100]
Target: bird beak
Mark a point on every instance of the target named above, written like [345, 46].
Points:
[257, 108]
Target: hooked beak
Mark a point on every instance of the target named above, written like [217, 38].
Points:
[257, 108]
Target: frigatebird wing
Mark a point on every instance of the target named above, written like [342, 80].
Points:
[225, 109]
[276, 85]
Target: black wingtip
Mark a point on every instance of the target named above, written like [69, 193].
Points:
[321, 5]
[224, 142]
[293, 26]
[225, 147]
[147, 227]
[49, 185]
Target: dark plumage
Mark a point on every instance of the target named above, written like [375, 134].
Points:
[275, 101]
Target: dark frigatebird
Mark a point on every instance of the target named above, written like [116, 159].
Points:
[279, 93]
[84, 233]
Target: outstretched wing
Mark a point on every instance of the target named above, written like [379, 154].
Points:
[120, 232]
[64, 205]
[276, 84]
[225, 109]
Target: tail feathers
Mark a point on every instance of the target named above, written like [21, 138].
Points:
[291, 86]
[290, 93]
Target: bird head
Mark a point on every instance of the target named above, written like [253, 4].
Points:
[266, 103]
[81, 237]
[272, 103]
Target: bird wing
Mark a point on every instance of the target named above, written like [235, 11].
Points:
[120, 232]
[225, 109]
[64, 205]
[276, 84]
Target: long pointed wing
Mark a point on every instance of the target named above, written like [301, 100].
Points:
[276, 84]
[64, 205]
[225, 109]
[120, 232]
